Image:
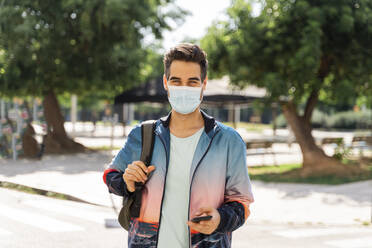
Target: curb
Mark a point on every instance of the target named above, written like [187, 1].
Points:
[43, 192]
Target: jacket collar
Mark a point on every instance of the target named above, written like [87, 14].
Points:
[209, 122]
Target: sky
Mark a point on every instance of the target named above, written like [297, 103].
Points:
[203, 13]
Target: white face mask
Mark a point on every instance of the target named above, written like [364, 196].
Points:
[184, 99]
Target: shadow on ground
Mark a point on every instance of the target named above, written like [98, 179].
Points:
[67, 164]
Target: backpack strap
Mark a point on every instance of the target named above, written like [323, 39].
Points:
[148, 140]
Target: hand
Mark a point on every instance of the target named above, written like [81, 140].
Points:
[206, 226]
[136, 172]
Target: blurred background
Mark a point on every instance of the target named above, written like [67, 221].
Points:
[293, 77]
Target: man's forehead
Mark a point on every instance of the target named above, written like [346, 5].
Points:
[184, 68]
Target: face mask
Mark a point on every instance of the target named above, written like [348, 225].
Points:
[184, 99]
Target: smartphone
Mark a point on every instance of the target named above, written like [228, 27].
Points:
[200, 218]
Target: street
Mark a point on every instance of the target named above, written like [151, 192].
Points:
[36, 221]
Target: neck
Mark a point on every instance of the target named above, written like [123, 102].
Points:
[186, 122]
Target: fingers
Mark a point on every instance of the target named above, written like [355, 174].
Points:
[150, 169]
[144, 168]
[193, 226]
[201, 224]
[137, 172]
[206, 226]
[141, 165]
[202, 227]
[140, 168]
[204, 210]
[130, 176]
[133, 170]
[129, 180]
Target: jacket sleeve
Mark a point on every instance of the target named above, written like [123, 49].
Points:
[238, 194]
[113, 174]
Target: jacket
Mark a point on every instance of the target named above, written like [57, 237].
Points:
[218, 178]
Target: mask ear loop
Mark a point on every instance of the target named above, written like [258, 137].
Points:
[168, 93]
[201, 93]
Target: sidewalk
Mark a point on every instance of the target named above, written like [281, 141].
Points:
[77, 175]
[81, 176]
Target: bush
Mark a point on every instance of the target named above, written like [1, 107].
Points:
[281, 122]
[350, 120]
[318, 119]
[340, 120]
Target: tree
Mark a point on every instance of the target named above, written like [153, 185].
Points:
[297, 50]
[51, 47]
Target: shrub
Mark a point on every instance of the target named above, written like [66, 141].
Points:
[318, 119]
[350, 120]
[340, 120]
[281, 122]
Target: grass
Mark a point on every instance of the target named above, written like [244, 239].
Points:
[288, 173]
[104, 148]
[35, 191]
[31, 190]
[253, 127]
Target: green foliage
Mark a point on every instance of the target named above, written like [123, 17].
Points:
[294, 47]
[151, 111]
[78, 46]
[319, 119]
[341, 152]
[281, 121]
[290, 173]
[350, 120]
[341, 120]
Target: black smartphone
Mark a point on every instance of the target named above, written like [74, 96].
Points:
[200, 218]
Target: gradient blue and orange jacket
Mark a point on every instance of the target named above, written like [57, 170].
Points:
[218, 178]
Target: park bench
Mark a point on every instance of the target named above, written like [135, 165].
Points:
[267, 145]
[361, 143]
[362, 139]
[337, 141]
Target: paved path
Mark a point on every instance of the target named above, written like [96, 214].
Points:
[81, 176]
[35, 221]
[77, 175]
[278, 211]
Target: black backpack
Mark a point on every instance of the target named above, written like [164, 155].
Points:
[132, 204]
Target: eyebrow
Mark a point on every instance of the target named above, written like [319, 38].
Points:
[194, 78]
[190, 79]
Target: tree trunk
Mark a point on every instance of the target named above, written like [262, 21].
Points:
[57, 140]
[315, 161]
[29, 143]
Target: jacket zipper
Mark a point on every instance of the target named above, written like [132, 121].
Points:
[165, 181]
[192, 178]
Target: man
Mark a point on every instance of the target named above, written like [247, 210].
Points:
[198, 167]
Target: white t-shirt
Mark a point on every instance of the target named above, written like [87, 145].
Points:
[173, 231]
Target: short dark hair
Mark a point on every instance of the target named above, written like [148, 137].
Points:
[189, 53]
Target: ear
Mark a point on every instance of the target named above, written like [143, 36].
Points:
[205, 82]
[165, 82]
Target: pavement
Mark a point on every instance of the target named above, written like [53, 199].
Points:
[80, 176]
[35, 221]
[28, 220]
